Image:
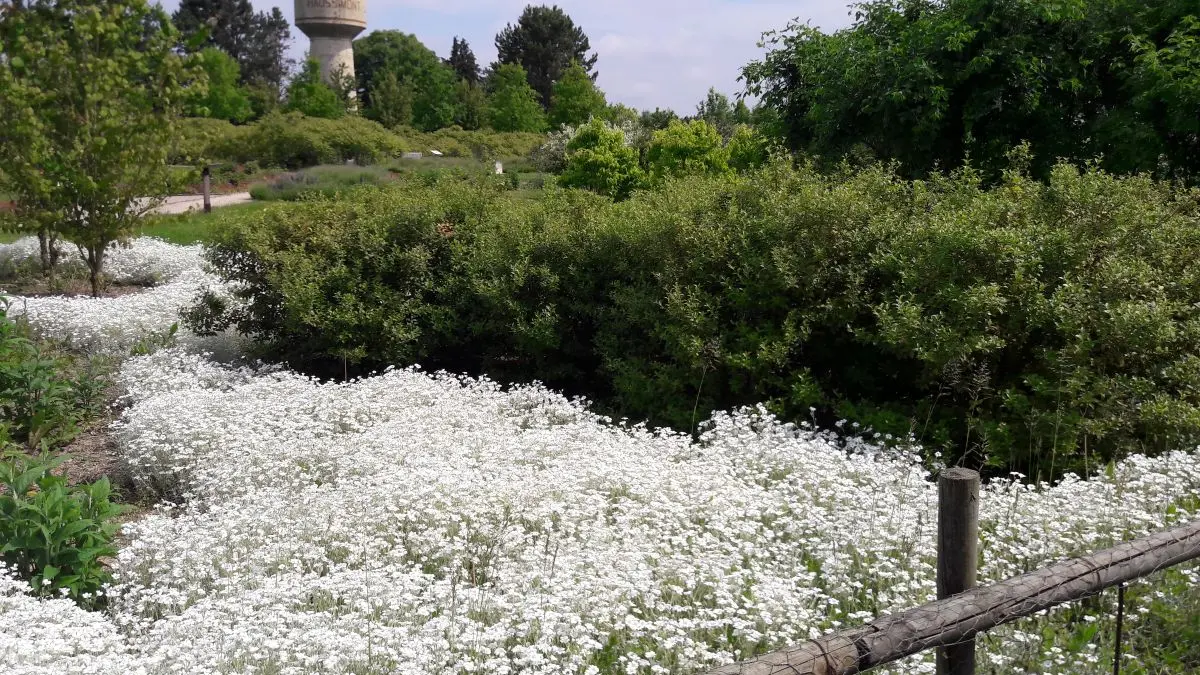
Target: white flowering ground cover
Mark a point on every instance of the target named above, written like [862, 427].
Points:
[425, 523]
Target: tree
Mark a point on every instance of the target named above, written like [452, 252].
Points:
[576, 98]
[619, 113]
[717, 111]
[513, 104]
[391, 104]
[308, 94]
[90, 93]
[415, 65]
[259, 42]
[747, 149]
[222, 99]
[658, 119]
[462, 61]
[931, 84]
[544, 42]
[471, 112]
[599, 160]
[741, 113]
[686, 148]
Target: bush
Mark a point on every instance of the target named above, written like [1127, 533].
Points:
[599, 160]
[38, 403]
[1029, 327]
[687, 148]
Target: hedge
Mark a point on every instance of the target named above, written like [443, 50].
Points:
[1032, 327]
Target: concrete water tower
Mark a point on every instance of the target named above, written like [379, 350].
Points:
[331, 26]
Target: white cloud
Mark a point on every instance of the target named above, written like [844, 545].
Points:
[653, 53]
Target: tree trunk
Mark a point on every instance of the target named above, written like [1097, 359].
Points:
[95, 261]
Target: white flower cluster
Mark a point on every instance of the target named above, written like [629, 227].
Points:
[146, 261]
[420, 524]
[113, 325]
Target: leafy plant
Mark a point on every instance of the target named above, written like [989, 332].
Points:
[53, 534]
[37, 402]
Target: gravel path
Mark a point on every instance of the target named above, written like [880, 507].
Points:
[185, 203]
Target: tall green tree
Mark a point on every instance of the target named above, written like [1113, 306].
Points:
[391, 101]
[89, 93]
[223, 98]
[931, 84]
[544, 42]
[471, 112]
[258, 41]
[462, 61]
[309, 94]
[513, 104]
[717, 110]
[415, 65]
[576, 98]
[658, 119]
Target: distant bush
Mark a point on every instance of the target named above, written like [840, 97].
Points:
[687, 148]
[598, 159]
[325, 180]
[295, 141]
[1029, 327]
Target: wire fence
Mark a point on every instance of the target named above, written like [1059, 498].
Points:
[1132, 608]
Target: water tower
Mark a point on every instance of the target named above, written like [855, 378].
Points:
[331, 26]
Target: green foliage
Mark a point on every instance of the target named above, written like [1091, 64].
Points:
[55, 535]
[747, 149]
[717, 111]
[512, 103]
[309, 95]
[462, 61]
[576, 98]
[1031, 327]
[91, 93]
[619, 114]
[415, 66]
[658, 119]
[687, 148]
[544, 42]
[391, 101]
[933, 85]
[224, 99]
[294, 141]
[471, 112]
[599, 160]
[37, 401]
[258, 41]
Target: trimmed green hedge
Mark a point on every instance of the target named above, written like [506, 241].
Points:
[1029, 327]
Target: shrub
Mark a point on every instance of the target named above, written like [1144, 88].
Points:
[599, 160]
[1030, 327]
[684, 149]
[747, 149]
[325, 180]
[54, 535]
[37, 401]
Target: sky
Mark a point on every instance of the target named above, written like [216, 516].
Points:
[652, 53]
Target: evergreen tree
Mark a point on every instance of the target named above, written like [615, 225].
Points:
[391, 101]
[462, 61]
[258, 42]
[471, 113]
[513, 104]
[544, 42]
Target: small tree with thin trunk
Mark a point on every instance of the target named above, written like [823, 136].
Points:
[89, 95]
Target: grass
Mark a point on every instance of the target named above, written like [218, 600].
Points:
[196, 226]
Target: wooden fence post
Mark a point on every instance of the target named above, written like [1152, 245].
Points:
[207, 179]
[957, 555]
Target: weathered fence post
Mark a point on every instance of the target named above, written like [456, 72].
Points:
[957, 555]
[207, 180]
